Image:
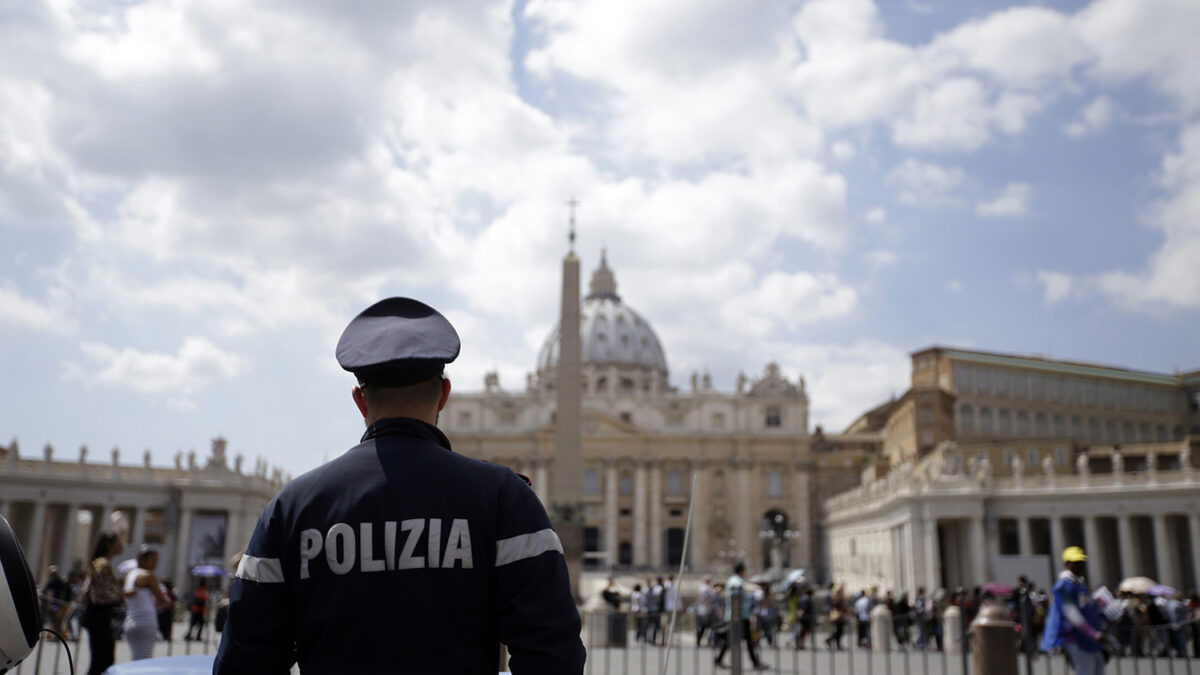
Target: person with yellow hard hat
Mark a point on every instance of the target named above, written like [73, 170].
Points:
[1075, 621]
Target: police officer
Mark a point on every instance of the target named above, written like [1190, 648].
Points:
[400, 555]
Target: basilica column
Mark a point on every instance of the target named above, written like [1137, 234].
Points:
[656, 514]
[698, 555]
[611, 481]
[640, 554]
[747, 537]
[801, 521]
[1127, 546]
[1097, 568]
[1168, 568]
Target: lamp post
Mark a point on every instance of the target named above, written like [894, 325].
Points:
[731, 553]
[779, 538]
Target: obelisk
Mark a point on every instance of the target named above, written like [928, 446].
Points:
[565, 488]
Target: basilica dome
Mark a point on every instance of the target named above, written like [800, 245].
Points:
[614, 337]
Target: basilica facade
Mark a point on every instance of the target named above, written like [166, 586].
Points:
[745, 461]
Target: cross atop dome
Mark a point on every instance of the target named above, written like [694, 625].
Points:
[604, 283]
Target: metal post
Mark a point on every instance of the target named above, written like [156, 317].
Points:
[735, 628]
[591, 631]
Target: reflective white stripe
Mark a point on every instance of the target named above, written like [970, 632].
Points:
[262, 570]
[525, 546]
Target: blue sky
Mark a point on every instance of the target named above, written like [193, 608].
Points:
[196, 197]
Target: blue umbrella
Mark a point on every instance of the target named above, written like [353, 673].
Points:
[208, 571]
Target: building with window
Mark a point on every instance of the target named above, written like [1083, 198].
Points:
[759, 474]
[993, 463]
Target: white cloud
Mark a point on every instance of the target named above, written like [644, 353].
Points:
[1094, 117]
[877, 215]
[955, 286]
[197, 363]
[1057, 286]
[1172, 278]
[925, 183]
[952, 115]
[790, 299]
[1014, 201]
[846, 380]
[843, 150]
[22, 313]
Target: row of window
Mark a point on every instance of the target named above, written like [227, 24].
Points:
[591, 483]
[1018, 384]
[1004, 422]
[772, 417]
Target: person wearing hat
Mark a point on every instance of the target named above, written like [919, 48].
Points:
[401, 555]
[1075, 621]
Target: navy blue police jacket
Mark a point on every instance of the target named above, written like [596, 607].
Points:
[402, 556]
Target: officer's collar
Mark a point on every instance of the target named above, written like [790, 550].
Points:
[406, 426]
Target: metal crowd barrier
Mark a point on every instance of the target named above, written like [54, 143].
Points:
[49, 657]
[620, 653]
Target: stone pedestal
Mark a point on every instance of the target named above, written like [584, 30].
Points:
[995, 651]
[952, 630]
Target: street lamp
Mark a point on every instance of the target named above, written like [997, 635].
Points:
[779, 539]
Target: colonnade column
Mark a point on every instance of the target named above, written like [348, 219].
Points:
[698, 555]
[182, 576]
[1194, 526]
[611, 481]
[1097, 563]
[138, 534]
[656, 528]
[1168, 568]
[979, 552]
[1025, 540]
[1129, 564]
[70, 534]
[37, 534]
[933, 558]
[639, 513]
[541, 481]
[235, 541]
[1056, 539]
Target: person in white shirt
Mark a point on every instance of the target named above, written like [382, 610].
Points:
[143, 598]
[637, 605]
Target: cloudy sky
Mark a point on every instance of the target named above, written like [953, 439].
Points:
[196, 197]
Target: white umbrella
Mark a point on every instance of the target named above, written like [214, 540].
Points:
[1137, 585]
[127, 566]
[793, 577]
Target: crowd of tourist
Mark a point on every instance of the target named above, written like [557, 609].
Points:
[1140, 624]
[127, 601]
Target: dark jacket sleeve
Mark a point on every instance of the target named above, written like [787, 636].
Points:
[538, 620]
[258, 636]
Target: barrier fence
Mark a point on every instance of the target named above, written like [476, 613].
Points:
[613, 649]
[894, 645]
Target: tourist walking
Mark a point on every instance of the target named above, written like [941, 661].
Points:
[103, 596]
[1075, 620]
[143, 598]
[737, 583]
